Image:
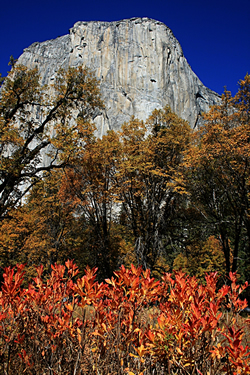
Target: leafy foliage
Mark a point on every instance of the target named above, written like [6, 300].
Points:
[156, 193]
[42, 231]
[25, 136]
[150, 179]
[218, 172]
[201, 258]
[70, 325]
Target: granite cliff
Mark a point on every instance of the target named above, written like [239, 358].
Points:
[140, 65]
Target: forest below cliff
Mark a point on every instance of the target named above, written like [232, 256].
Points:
[157, 193]
[121, 254]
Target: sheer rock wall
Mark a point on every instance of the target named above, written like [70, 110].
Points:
[140, 65]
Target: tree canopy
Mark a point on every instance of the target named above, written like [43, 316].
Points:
[218, 173]
[36, 125]
[155, 193]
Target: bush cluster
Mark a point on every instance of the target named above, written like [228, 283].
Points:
[129, 324]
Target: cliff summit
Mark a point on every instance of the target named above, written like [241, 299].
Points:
[140, 65]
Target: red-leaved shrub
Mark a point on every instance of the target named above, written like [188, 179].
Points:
[129, 324]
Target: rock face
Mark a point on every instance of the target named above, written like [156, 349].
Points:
[140, 65]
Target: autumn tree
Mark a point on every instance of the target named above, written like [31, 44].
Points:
[39, 123]
[202, 257]
[90, 182]
[43, 230]
[218, 173]
[150, 180]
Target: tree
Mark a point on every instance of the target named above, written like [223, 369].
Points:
[150, 179]
[201, 258]
[133, 180]
[90, 183]
[218, 173]
[40, 122]
[43, 230]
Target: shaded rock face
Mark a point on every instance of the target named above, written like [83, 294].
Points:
[140, 65]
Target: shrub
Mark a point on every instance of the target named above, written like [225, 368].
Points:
[129, 324]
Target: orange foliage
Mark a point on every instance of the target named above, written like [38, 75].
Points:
[202, 258]
[134, 176]
[42, 231]
[26, 136]
[42, 329]
[150, 179]
[218, 171]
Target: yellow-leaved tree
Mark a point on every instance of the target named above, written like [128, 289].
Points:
[91, 183]
[218, 174]
[36, 125]
[150, 180]
[43, 230]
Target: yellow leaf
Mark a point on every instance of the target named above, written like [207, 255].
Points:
[179, 351]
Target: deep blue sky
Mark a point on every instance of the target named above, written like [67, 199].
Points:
[214, 34]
